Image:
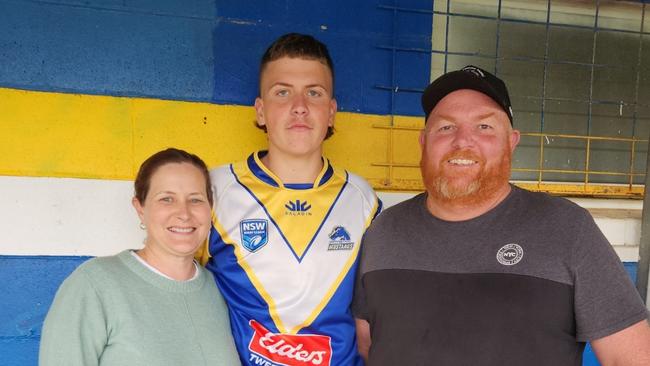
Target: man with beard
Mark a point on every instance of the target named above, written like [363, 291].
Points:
[476, 271]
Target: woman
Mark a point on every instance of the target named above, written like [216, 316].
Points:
[153, 306]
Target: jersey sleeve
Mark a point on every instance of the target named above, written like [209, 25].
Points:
[380, 207]
[203, 254]
[605, 299]
[74, 332]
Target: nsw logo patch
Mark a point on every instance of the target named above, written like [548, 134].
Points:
[254, 234]
[339, 239]
[510, 254]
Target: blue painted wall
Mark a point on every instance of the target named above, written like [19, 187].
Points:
[138, 48]
[356, 32]
[27, 287]
[207, 50]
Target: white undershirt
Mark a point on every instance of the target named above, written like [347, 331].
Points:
[154, 270]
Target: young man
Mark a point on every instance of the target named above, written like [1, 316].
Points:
[476, 271]
[288, 225]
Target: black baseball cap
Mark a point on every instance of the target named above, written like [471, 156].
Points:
[469, 77]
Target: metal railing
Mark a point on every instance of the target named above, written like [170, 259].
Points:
[582, 187]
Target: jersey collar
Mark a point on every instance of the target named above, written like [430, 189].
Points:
[260, 171]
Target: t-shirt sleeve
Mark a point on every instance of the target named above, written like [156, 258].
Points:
[606, 301]
[359, 306]
[74, 332]
[380, 206]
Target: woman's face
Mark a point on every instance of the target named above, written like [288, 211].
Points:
[176, 212]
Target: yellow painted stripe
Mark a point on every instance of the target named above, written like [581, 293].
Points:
[83, 136]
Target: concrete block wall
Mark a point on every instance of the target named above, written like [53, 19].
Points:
[88, 89]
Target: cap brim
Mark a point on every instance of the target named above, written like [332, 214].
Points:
[453, 81]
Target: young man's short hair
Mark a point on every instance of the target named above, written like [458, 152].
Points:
[295, 45]
[303, 46]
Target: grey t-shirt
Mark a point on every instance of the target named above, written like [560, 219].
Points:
[526, 283]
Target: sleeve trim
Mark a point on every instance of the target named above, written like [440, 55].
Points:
[604, 332]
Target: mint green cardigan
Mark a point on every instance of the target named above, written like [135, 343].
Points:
[114, 311]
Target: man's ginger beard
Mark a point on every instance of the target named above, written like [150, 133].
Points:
[447, 186]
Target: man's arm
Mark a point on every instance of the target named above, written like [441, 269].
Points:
[629, 347]
[363, 337]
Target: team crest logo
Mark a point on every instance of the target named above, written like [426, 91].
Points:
[510, 254]
[340, 239]
[254, 234]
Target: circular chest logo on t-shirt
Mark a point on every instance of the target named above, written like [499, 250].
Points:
[510, 254]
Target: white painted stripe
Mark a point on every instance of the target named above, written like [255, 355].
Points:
[65, 216]
[392, 198]
[609, 203]
[627, 253]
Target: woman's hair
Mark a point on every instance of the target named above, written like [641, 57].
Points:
[155, 161]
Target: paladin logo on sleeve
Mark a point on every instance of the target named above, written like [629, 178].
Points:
[289, 349]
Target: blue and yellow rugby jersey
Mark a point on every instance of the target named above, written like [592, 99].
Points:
[284, 257]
